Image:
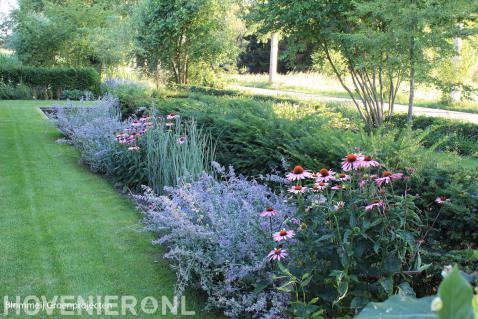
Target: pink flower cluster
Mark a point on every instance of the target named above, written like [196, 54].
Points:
[328, 179]
[283, 234]
[136, 129]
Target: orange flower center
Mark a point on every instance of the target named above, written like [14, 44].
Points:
[298, 169]
[342, 175]
[283, 232]
[297, 187]
[269, 209]
[387, 173]
[367, 158]
[321, 184]
[324, 172]
[277, 251]
[351, 158]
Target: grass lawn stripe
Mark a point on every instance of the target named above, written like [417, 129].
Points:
[63, 230]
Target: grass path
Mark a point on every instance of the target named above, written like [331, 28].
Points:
[63, 230]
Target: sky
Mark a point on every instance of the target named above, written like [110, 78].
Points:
[7, 5]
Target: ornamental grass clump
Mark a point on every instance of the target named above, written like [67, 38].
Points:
[158, 151]
[217, 234]
[356, 237]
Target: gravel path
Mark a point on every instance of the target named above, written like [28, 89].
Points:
[418, 110]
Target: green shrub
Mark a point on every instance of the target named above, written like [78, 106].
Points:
[49, 82]
[131, 97]
[14, 92]
[75, 95]
[455, 136]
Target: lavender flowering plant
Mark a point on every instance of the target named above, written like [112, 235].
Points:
[91, 129]
[218, 233]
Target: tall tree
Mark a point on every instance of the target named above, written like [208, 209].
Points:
[185, 37]
[377, 44]
[73, 32]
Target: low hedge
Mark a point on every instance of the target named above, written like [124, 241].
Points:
[49, 82]
[456, 136]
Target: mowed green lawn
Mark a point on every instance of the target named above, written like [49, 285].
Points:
[63, 230]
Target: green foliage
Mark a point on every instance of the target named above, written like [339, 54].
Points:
[186, 38]
[375, 43]
[399, 307]
[455, 301]
[75, 95]
[76, 32]
[453, 224]
[456, 294]
[174, 153]
[363, 251]
[49, 82]
[14, 92]
[131, 98]
[450, 136]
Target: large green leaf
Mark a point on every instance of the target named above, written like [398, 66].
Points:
[399, 307]
[456, 294]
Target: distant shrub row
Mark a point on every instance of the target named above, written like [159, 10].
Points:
[50, 82]
[455, 136]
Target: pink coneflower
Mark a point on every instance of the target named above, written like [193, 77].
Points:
[295, 221]
[298, 173]
[133, 148]
[181, 140]
[351, 161]
[344, 177]
[277, 254]
[283, 234]
[337, 187]
[441, 199]
[387, 178]
[297, 189]
[340, 205]
[325, 175]
[367, 162]
[269, 212]
[375, 203]
[320, 186]
[172, 116]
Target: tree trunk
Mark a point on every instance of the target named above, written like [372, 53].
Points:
[412, 74]
[455, 90]
[273, 58]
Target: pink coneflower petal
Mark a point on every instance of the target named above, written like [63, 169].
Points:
[320, 186]
[387, 178]
[172, 116]
[133, 148]
[283, 234]
[325, 175]
[351, 162]
[277, 254]
[441, 199]
[298, 173]
[343, 177]
[378, 203]
[269, 212]
[337, 187]
[181, 140]
[297, 189]
[340, 205]
[367, 162]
